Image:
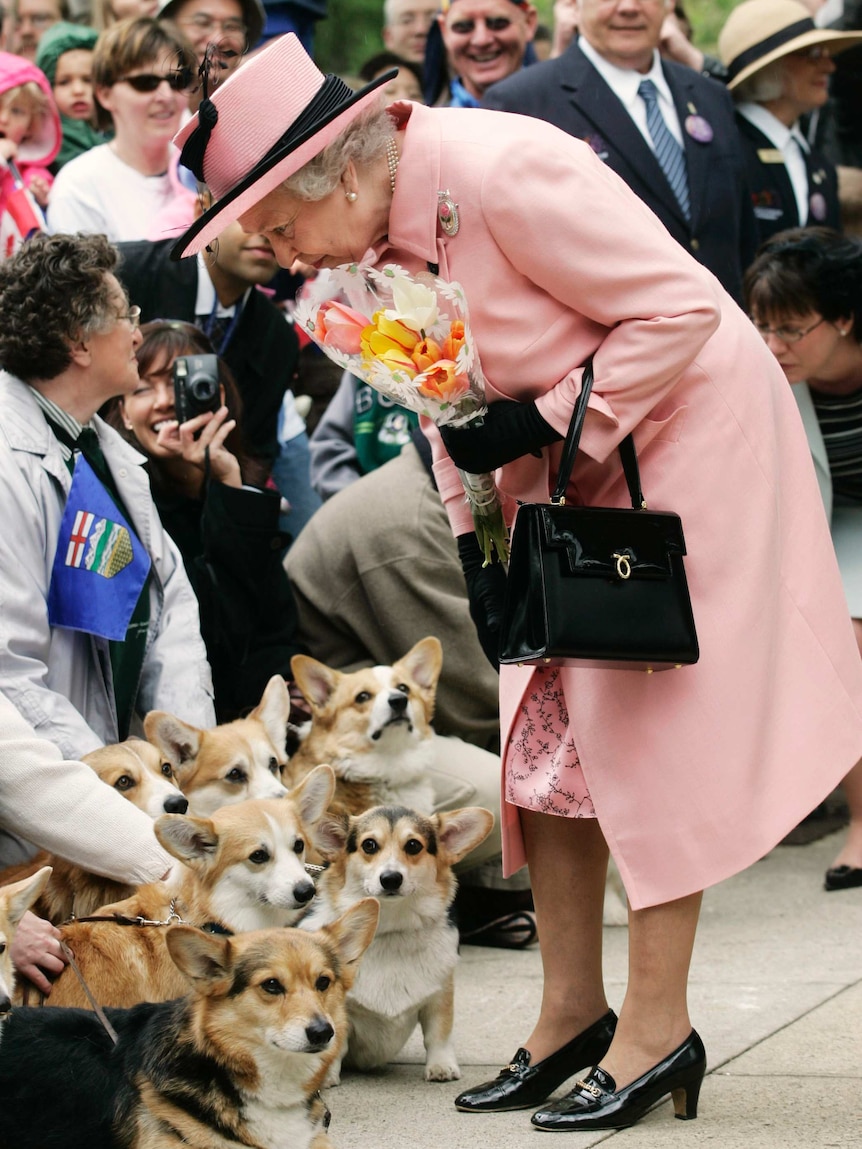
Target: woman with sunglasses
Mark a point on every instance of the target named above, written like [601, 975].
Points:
[779, 64]
[804, 293]
[207, 492]
[142, 72]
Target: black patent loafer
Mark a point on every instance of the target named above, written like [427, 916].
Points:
[596, 1103]
[520, 1085]
[843, 878]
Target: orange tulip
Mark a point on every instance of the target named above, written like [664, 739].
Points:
[425, 353]
[442, 381]
[454, 341]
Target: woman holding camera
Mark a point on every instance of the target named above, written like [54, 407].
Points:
[209, 500]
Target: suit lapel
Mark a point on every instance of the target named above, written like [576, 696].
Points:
[585, 90]
[696, 155]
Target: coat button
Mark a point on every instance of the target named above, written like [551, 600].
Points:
[695, 245]
[122, 473]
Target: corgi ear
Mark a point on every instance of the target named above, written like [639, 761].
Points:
[354, 930]
[460, 831]
[177, 741]
[330, 834]
[423, 662]
[192, 840]
[313, 794]
[20, 896]
[273, 711]
[203, 958]
[316, 680]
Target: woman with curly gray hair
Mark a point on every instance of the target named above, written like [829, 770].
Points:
[90, 580]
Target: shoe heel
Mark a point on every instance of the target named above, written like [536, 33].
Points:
[685, 1098]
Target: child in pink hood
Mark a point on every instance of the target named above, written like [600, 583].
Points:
[30, 136]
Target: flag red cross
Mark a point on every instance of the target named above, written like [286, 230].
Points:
[78, 538]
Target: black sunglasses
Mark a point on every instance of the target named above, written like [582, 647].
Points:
[179, 81]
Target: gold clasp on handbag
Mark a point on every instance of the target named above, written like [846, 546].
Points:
[624, 566]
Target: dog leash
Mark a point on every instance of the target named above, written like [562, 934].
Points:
[97, 1009]
[172, 919]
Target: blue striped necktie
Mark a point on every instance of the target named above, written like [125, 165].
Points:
[668, 152]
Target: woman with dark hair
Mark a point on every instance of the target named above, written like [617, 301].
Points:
[804, 293]
[226, 527]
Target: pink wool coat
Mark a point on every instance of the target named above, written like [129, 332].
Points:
[695, 773]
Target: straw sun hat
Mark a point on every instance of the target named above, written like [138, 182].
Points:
[757, 32]
[265, 122]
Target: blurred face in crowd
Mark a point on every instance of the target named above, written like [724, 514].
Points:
[625, 32]
[28, 22]
[805, 81]
[486, 40]
[150, 406]
[73, 84]
[404, 86]
[805, 345]
[219, 22]
[113, 367]
[407, 26]
[244, 258]
[134, 9]
[149, 116]
[16, 116]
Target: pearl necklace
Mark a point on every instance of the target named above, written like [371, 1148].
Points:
[392, 161]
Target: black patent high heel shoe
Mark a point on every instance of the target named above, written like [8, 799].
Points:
[596, 1103]
[520, 1085]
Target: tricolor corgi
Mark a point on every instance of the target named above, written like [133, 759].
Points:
[373, 727]
[242, 869]
[229, 763]
[405, 860]
[238, 1062]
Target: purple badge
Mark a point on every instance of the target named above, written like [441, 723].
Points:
[699, 129]
[817, 207]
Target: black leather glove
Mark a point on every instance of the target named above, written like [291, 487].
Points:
[486, 590]
[508, 431]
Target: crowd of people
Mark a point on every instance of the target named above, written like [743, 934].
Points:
[171, 176]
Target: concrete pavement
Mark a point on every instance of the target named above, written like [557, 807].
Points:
[776, 994]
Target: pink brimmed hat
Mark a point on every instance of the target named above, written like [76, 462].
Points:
[268, 119]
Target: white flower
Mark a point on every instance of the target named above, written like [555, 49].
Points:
[414, 304]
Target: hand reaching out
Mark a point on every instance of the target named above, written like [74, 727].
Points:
[212, 428]
[36, 950]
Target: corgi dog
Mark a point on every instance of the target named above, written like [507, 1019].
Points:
[229, 763]
[405, 860]
[373, 727]
[242, 869]
[237, 1062]
[15, 900]
[136, 770]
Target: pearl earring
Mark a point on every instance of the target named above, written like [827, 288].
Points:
[352, 196]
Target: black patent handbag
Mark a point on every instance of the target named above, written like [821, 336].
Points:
[597, 586]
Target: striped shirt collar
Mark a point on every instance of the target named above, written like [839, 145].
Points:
[62, 419]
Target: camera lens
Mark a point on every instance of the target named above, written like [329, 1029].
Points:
[203, 388]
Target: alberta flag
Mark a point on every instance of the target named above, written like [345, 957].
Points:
[100, 566]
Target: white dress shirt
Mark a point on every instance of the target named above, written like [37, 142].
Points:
[624, 82]
[792, 145]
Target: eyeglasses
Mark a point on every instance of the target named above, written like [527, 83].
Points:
[132, 316]
[178, 81]
[814, 53]
[788, 335]
[42, 20]
[230, 29]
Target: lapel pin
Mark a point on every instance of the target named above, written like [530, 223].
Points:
[447, 213]
[817, 207]
[698, 128]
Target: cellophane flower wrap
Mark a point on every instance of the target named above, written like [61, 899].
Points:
[408, 336]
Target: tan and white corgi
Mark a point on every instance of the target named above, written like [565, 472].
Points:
[405, 859]
[238, 1062]
[242, 869]
[373, 727]
[229, 763]
[15, 900]
[136, 770]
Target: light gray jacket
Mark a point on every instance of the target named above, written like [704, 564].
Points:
[60, 680]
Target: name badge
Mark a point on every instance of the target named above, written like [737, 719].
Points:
[770, 156]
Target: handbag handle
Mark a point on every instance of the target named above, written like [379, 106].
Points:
[573, 438]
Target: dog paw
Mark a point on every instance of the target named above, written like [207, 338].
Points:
[442, 1071]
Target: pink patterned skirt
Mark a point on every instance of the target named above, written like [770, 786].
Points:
[543, 771]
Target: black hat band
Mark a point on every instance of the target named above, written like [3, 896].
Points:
[764, 47]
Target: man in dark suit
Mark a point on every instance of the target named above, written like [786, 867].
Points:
[595, 91]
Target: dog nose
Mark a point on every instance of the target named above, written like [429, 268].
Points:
[391, 880]
[176, 804]
[5, 1005]
[303, 892]
[398, 703]
[319, 1031]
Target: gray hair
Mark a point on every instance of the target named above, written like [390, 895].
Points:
[362, 142]
[764, 86]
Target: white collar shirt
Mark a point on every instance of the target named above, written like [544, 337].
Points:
[624, 82]
[792, 145]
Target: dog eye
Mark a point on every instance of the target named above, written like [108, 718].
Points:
[236, 775]
[369, 846]
[275, 766]
[124, 782]
[323, 983]
[362, 696]
[272, 985]
[259, 857]
[2, 947]
[413, 846]
[298, 846]
[167, 770]
[403, 687]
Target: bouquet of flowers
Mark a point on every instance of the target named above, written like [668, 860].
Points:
[408, 336]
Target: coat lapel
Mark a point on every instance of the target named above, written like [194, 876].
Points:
[697, 155]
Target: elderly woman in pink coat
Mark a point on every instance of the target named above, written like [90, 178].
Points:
[685, 777]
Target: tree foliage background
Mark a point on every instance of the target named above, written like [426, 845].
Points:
[351, 31]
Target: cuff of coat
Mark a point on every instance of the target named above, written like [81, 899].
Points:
[253, 508]
[556, 408]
